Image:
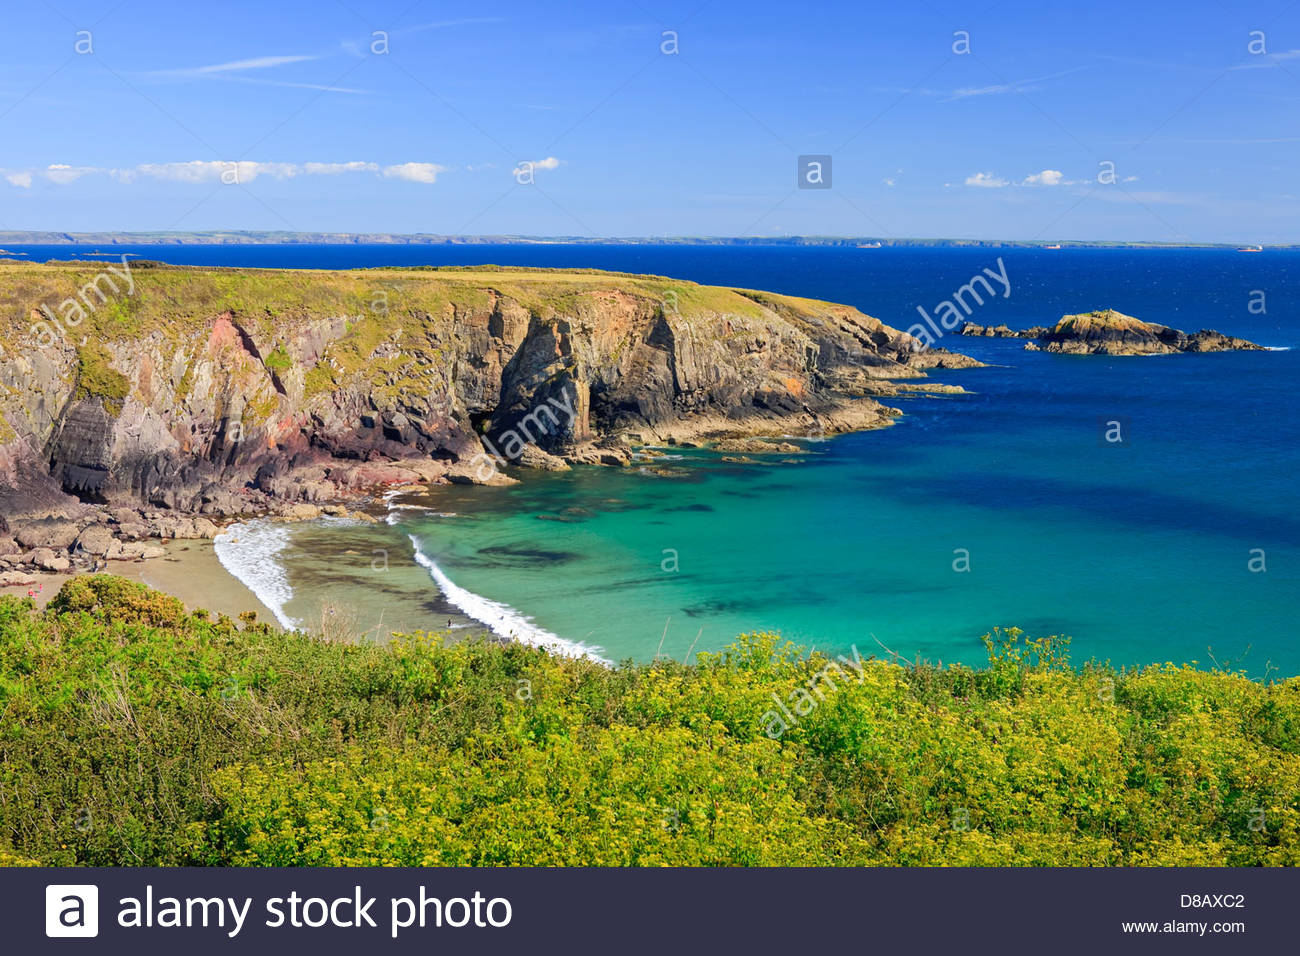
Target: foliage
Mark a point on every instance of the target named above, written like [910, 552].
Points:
[134, 733]
[278, 360]
[96, 377]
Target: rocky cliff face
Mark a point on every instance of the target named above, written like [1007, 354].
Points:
[1107, 332]
[228, 392]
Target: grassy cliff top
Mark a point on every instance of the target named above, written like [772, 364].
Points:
[163, 297]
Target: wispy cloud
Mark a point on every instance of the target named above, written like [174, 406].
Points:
[256, 63]
[1018, 86]
[359, 49]
[248, 70]
[1226, 140]
[263, 81]
[444, 24]
[234, 66]
[213, 171]
[1047, 177]
[333, 169]
[1264, 61]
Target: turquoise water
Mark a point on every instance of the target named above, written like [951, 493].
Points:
[860, 544]
[1139, 551]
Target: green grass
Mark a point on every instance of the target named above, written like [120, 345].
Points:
[278, 360]
[397, 323]
[96, 378]
[133, 733]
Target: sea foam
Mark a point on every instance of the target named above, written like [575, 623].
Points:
[501, 619]
[249, 552]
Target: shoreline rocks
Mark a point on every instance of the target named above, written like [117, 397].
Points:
[1108, 332]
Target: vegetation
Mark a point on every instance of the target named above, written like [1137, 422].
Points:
[96, 378]
[390, 326]
[135, 733]
[278, 360]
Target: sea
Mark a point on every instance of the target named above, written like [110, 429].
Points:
[1145, 507]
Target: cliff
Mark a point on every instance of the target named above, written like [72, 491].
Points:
[1107, 332]
[180, 391]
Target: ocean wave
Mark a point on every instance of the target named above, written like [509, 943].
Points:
[1277, 348]
[393, 516]
[501, 619]
[249, 552]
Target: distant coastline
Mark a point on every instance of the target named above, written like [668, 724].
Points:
[217, 237]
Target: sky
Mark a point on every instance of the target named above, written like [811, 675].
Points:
[1135, 121]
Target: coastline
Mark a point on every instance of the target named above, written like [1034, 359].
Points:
[190, 571]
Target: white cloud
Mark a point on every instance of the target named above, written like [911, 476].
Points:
[550, 162]
[888, 182]
[206, 171]
[231, 172]
[62, 173]
[1048, 177]
[331, 169]
[415, 172]
[987, 180]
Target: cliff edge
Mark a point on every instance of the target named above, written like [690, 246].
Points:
[148, 394]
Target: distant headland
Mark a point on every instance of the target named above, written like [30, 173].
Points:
[251, 237]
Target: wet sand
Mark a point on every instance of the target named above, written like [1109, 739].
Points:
[190, 571]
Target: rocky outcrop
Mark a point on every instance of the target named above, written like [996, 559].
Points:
[1001, 331]
[1107, 332]
[221, 393]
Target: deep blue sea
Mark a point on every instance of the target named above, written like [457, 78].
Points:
[1179, 543]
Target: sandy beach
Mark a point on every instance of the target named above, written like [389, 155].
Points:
[190, 571]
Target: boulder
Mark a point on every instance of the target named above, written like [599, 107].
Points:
[135, 551]
[133, 531]
[95, 541]
[534, 457]
[481, 473]
[203, 528]
[47, 560]
[45, 533]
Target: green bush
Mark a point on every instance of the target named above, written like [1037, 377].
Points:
[133, 733]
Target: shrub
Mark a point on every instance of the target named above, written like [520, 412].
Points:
[132, 733]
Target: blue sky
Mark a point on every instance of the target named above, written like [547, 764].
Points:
[287, 115]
